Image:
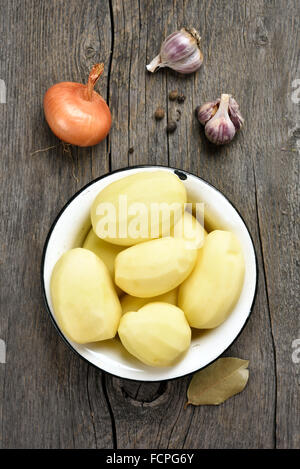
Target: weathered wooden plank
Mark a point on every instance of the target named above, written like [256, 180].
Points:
[274, 35]
[231, 170]
[45, 396]
[134, 93]
[153, 415]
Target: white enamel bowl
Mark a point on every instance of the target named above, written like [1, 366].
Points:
[69, 230]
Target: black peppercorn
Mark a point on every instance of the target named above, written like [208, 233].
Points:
[159, 113]
[181, 98]
[171, 127]
[173, 95]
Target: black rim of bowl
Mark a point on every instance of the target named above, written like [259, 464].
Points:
[182, 174]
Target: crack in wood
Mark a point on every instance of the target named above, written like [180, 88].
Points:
[111, 14]
[108, 149]
[90, 405]
[110, 410]
[144, 394]
[268, 304]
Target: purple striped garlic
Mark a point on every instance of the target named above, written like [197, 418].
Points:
[221, 118]
[180, 51]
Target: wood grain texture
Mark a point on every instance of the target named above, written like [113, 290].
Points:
[49, 398]
[276, 168]
[163, 422]
[43, 404]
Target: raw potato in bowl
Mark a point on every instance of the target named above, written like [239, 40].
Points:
[157, 334]
[106, 251]
[134, 209]
[155, 267]
[209, 294]
[189, 228]
[85, 302]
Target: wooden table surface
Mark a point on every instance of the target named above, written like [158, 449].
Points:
[50, 398]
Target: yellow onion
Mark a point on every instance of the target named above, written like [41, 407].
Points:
[76, 113]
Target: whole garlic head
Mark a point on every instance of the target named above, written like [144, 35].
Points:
[180, 51]
[221, 118]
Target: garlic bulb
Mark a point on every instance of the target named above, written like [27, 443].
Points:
[179, 51]
[207, 111]
[222, 118]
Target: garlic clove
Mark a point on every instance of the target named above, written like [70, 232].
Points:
[180, 51]
[235, 114]
[220, 129]
[207, 111]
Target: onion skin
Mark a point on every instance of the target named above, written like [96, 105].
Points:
[76, 114]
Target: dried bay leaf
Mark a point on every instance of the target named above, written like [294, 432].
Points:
[219, 381]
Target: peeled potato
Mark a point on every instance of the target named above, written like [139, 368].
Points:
[155, 267]
[106, 251]
[190, 229]
[85, 303]
[133, 303]
[157, 334]
[209, 294]
[138, 202]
